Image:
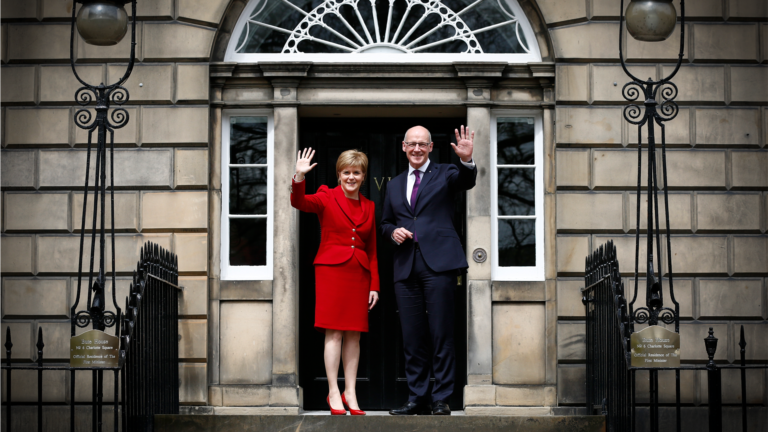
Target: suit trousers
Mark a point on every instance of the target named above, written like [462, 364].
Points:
[426, 304]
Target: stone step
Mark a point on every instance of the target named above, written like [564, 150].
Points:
[316, 423]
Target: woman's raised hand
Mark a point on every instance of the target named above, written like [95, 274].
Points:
[303, 165]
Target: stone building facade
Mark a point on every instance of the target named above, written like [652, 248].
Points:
[524, 345]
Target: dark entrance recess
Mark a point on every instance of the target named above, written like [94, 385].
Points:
[381, 383]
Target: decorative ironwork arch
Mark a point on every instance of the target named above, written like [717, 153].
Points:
[388, 28]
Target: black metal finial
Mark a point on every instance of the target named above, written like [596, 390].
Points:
[8, 344]
[40, 346]
[710, 342]
[742, 341]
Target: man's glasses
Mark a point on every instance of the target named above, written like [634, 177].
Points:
[415, 144]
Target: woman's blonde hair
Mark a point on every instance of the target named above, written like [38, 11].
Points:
[352, 158]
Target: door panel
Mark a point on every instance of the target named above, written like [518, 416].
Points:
[381, 382]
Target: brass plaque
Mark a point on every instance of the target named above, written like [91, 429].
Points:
[94, 349]
[655, 347]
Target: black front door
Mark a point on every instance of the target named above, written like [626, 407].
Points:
[381, 383]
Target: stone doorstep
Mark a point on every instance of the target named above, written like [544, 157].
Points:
[455, 423]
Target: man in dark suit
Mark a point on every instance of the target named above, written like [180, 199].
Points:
[417, 216]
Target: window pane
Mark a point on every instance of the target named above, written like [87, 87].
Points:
[248, 140]
[248, 242]
[516, 192]
[248, 191]
[517, 243]
[514, 141]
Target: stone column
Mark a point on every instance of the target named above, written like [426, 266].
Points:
[550, 231]
[285, 284]
[214, 232]
[479, 319]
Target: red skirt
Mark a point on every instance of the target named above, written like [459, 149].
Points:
[341, 296]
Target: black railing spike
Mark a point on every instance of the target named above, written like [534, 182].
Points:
[742, 341]
[40, 345]
[8, 343]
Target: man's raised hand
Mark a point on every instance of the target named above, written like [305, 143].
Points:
[464, 145]
[303, 163]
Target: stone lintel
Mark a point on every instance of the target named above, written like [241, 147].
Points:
[382, 70]
[285, 69]
[480, 69]
[388, 70]
[479, 83]
[248, 70]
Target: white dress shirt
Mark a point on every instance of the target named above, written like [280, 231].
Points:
[411, 179]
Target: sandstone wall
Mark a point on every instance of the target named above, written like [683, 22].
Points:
[717, 174]
[161, 169]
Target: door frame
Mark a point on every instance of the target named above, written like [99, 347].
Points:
[391, 394]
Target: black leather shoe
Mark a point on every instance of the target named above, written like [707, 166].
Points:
[440, 408]
[412, 408]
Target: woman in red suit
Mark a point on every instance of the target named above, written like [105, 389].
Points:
[346, 270]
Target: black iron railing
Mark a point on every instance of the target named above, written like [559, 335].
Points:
[151, 376]
[146, 380]
[610, 376]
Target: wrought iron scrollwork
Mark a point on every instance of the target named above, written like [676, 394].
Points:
[644, 315]
[83, 119]
[84, 319]
[119, 118]
[95, 116]
[632, 90]
[84, 95]
[632, 113]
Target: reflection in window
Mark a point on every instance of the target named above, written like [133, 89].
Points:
[248, 140]
[517, 243]
[516, 192]
[514, 141]
[517, 209]
[248, 191]
[247, 242]
[382, 26]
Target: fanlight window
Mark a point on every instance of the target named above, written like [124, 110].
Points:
[442, 28]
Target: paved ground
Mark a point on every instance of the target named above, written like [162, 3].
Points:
[377, 423]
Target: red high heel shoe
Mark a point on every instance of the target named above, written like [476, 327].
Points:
[351, 411]
[335, 411]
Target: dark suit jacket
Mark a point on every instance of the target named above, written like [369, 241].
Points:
[432, 219]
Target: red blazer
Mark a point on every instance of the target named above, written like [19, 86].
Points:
[338, 228]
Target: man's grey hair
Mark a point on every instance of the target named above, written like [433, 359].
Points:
[405, 137]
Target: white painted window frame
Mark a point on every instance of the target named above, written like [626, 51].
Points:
[535, 273]
[534, 56]
[229, 272]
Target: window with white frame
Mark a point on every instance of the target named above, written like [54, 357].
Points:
[517, 192]
[246, 195]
